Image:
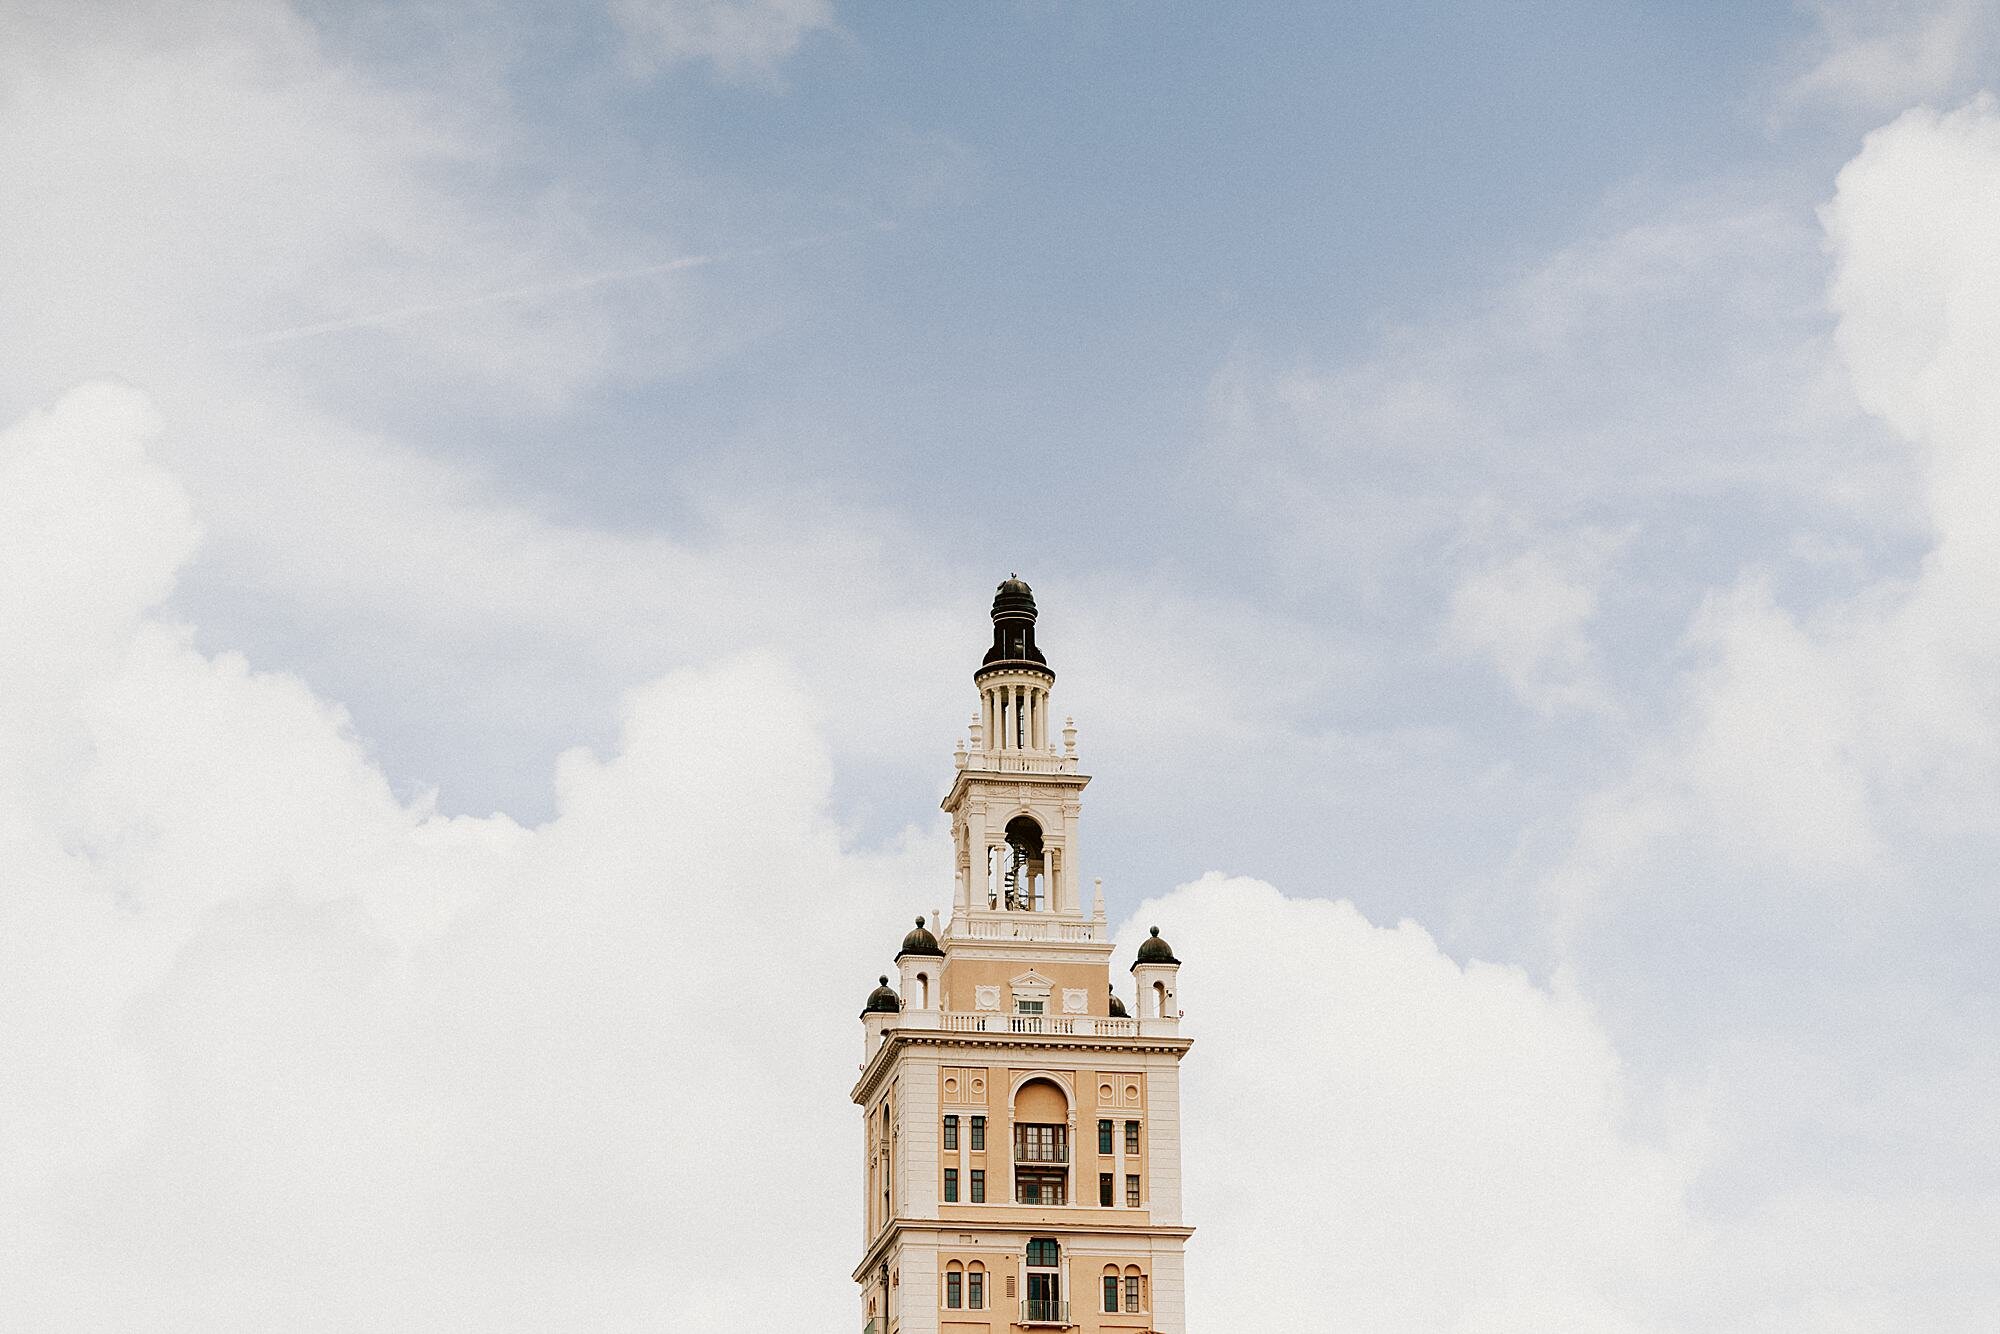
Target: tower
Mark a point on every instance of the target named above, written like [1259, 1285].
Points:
[1021, 1124]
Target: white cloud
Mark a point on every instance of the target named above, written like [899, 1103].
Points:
[1529, 615]
[741, 39]
[1878, 57]
[1380, 1138]
[282, 1049]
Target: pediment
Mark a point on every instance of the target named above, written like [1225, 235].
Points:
[1031, 981]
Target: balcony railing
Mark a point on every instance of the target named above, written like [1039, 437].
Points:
[1024, 924]
[1016, 761]
[1037, 1311]
[1059, 1025]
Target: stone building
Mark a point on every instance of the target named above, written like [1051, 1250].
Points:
[1021, 1120]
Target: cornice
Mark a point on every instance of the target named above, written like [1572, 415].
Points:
[885, 1056]
[899, 1225]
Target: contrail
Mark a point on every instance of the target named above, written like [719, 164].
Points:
[401, 314]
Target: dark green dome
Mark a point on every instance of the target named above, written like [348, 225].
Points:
[920, 941]
[1154, 950]
[883, 1000]
[1118, 1007]
[1014, 632]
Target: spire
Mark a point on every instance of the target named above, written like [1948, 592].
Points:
[1013, 632]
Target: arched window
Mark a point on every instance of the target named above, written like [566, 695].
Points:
[975, 1286]
[1160, 999]
[923, 991]
[1135, 1289]
[954, 1286]
[1041, 1144]
[1111, 1287]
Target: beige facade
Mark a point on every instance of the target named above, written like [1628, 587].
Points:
[1021, 1126]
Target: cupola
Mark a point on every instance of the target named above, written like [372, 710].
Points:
[1155, 950]
[883, 1000]
[920, 941]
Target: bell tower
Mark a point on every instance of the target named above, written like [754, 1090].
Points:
[1021, 1126]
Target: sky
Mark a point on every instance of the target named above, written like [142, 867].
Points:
[498, 508]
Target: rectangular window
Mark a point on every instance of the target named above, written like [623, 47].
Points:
[1111, 1292]
[1038, 1186]
[978, 1186]
[951, 1185]
[1105, 1184]
[1131, 1137]
[1029, 1007]
[1043, 1253]
[1131, 1293]
[979, 1134]
[951, 1132]
[1132, 1192]
[1041, 1144]
[975, 1290]
[1104, 1138]
[952, 1295]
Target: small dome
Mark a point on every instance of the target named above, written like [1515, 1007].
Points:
[1118, 1007]
[920, 941]
[883, 1000]
[1013, 595]
[1154, 950]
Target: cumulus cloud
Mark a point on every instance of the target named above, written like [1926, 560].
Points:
[281, 1048]
[740, 39]
[1423, 1145]
[1825, 793]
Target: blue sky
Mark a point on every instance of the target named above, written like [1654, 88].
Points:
[498, 496]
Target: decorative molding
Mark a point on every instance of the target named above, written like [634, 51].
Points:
[987, 998]
[1075, 1000]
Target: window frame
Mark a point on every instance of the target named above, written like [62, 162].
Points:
[951, 1185]
[1131, 1190]
[951, 1133]
[1131, 1137]
[977, 1186]
[1104, 1137]
[979, 1134]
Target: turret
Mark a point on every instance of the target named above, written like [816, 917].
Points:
[1156, 979]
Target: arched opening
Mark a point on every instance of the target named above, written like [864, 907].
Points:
[1160, 1000]
[954, 1286]
[923, 991]
[1041, 1144]
[1135, 1289]
[1024, 877]
[975, 1286]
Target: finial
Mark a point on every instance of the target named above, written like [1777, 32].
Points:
[883, 980]
[920, 922]
[1156, 930]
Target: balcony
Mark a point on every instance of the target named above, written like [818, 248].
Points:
[1016, 761]
[1059, 1025]
[1048, 1314]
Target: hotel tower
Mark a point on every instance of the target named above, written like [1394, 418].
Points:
[1021, 1120]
